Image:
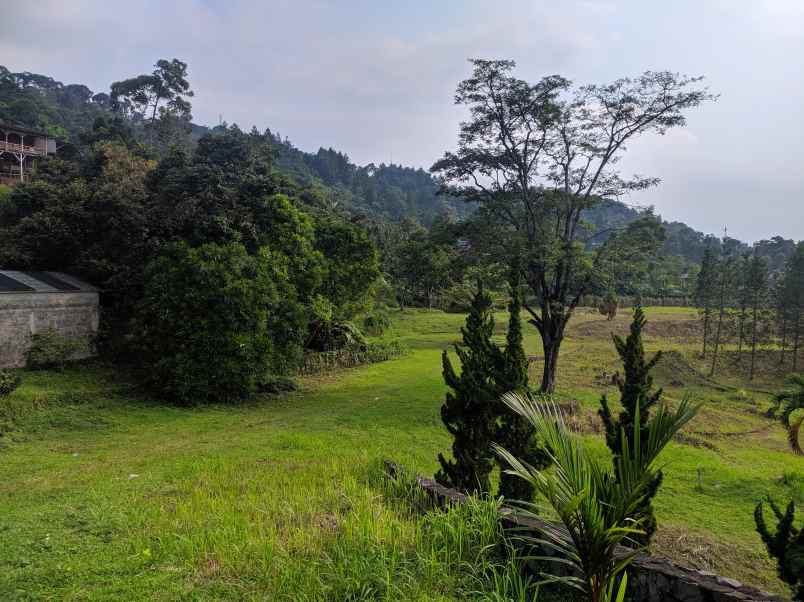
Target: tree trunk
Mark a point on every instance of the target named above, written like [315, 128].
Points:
[719, 323]
[753, 340]
[784, 336]
[705, 330]
[796, 337]
[552, 334]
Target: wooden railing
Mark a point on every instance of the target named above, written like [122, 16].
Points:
[12, 147]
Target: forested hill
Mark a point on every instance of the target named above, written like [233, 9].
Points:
[686, 242]
[391, 192]
[66, 111]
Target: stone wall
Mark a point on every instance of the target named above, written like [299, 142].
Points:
[650, 578]
[24, 314]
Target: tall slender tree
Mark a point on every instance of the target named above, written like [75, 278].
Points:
[725, 282]
[469, 411]
[743, 296]
[756, 297]
[792, 299]
[637, 397]
[514, 432]
[705, 292]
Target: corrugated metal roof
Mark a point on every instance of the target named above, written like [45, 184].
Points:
[13, 281]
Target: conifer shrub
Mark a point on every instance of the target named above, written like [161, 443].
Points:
[469, 412]
[216, 322]
[637, 397]
[50, 350]
[785, 545]
[514, 432]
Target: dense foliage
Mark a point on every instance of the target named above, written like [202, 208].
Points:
[215, 322]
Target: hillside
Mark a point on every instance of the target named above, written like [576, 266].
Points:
[391, 192]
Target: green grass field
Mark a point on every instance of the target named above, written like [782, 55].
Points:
[105, 494]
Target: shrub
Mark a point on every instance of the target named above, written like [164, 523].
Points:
[785, 545]
[376, 322]
[215, 321]
[8, 382]
[51, 350]
[350, 357]
[330, 335]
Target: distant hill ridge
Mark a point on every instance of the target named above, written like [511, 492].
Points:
[392, 192]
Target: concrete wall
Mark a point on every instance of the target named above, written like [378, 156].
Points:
[24, 314]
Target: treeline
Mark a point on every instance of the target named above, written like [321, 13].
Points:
[157, 106]
[744, 302]
[217, 271]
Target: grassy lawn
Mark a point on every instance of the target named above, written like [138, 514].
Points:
[105, 494]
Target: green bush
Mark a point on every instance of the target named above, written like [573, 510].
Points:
[51, 350]
[8, 382]
[215, 322]
[376, 322]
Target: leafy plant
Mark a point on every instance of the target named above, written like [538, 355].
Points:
[8, 382]
[51, 350]
[789, 400]
[636, 398]
[786, 545]
[376, 322]
[597, 513]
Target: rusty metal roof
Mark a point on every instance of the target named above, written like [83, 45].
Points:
[13, 281]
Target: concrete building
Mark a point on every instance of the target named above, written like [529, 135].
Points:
[31, 302]
[20, 149]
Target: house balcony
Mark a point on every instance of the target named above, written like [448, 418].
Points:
[24, 149]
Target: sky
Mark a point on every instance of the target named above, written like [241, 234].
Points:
[376, 79]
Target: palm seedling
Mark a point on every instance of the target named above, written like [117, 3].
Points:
[788, 401]
[597, 514]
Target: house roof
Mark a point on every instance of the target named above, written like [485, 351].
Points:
[13, 281]
[6, 126]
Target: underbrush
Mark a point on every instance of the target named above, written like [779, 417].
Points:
[35, 409]
[350, 357]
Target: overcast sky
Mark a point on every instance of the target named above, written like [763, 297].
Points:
[376, 79]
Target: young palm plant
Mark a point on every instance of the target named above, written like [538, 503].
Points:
[597, 513]
[789, 400]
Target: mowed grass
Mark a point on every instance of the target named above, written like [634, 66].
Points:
[105, 494]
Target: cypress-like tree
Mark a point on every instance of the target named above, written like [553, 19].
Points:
[786, 545]
[757, 285]
[705, 291]
[637, 397]
[469, 412]
[514, 432]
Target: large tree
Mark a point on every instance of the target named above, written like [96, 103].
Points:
[536, 155]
